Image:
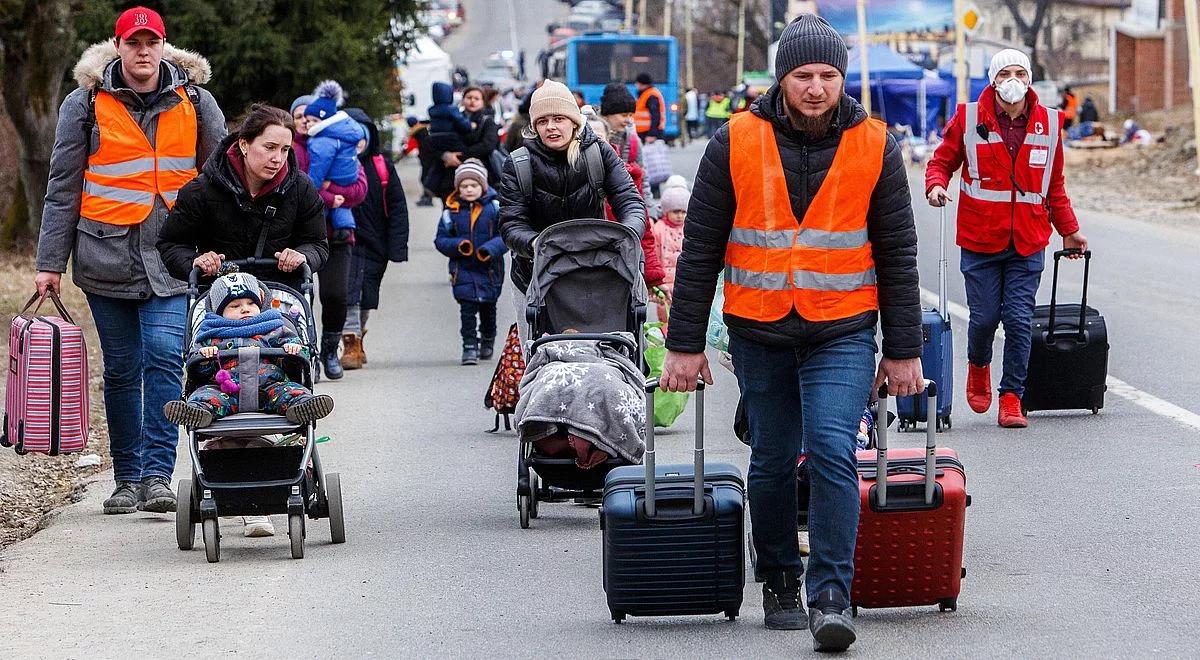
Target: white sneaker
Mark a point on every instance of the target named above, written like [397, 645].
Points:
[258, 526]
[803, 542]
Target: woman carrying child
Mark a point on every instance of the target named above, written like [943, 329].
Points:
[469, 235]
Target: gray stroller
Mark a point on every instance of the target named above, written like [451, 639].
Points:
[587, 279]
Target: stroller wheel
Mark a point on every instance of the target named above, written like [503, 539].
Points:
[333, 493]
[296, 533]
[534, 485]
[185, 525]
[523, 507]
[212, 541]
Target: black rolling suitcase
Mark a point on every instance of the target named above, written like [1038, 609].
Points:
[673, 533]
[1068, 364]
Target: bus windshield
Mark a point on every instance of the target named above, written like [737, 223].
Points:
[601, 62]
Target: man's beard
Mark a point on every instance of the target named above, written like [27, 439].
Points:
[813, 127]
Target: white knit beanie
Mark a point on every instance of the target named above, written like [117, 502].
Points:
[675, 181]
[553, 98]
[674, 199]
[1005, 59]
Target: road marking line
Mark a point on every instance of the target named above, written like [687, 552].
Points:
[1115, 385]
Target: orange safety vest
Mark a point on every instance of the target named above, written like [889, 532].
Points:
[641, 114]
[127, 172]
[821, 266]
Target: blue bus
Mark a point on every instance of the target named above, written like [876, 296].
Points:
[590, 61]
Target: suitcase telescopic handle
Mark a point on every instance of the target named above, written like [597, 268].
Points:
[698, 453]
[1087, 265]
[943, 305]
[881, 460]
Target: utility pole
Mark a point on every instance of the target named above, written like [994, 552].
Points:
[690, 8]
[668, 9]
[642, 18]
[629, 15]
[960, 52]
[741, 46]
[1192, 21]
[863, 48]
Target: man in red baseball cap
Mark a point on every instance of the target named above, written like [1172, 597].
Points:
[140, 36]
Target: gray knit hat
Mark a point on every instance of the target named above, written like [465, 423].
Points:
[809, 39]
[471, 168]
[228, 288]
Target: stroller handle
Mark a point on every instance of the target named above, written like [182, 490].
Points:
[305, 269]
[625, 342]
[231, 353]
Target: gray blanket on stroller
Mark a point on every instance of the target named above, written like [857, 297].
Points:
[591, 389]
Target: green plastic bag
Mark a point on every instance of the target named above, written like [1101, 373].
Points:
[668, 406]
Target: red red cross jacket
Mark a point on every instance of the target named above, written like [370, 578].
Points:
[1003, 201]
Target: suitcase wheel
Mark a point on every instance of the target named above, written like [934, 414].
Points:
[948, 605]
[618, 617]
[732, 615]
[1095, 410]
[854, 611]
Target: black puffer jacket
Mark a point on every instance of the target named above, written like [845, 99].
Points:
[805, 162]
[215, 212]
[562, 192]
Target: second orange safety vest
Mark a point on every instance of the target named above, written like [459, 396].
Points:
[821, 265]
[126, 172]
[641, 113]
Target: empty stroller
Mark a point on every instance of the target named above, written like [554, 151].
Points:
[587, 280]
[257, 480]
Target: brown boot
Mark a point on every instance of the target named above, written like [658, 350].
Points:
[362, 346]
[352, 354]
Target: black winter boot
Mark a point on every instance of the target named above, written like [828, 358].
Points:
[830, 623]
[329, 355]
[470, 354]
[487, 347]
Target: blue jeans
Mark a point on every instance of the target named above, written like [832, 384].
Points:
[1001, 288]
[142, 344]
[828, 385]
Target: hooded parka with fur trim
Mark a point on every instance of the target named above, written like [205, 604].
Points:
[110, 260]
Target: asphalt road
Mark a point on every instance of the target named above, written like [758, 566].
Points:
[1081, 540]
[493, 25]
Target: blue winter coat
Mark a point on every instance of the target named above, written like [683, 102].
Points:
[469, 235]
[447, 124]
[333, 150]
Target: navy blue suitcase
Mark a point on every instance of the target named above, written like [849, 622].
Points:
[937, 357]
[673, 534]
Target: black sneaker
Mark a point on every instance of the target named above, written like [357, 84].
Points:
[125, 499]
[830, 623]
[781, 602]
[157, 496]
[310, 409]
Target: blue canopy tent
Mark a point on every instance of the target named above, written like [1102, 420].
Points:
[902, 92]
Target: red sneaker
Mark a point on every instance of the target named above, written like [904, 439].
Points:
[1011, 416]
[979, 387]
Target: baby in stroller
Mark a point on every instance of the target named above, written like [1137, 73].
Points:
[235, 320]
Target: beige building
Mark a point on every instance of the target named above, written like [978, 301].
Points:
[1076, 37]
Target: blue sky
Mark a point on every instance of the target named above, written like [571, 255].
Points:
[888, 15]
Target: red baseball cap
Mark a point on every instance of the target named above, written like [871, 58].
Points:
[137, 19]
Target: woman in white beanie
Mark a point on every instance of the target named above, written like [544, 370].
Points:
[556, 142]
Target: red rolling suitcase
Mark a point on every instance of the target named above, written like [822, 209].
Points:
[910, 527]
[46, 400]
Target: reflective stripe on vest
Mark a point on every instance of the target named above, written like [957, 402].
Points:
[641, 114]
[126, 172]
[972, 143]
[822, 267]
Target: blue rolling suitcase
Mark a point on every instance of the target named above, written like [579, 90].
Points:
[673, 533]
[937, 356]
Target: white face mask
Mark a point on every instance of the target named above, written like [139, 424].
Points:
[1012, 90]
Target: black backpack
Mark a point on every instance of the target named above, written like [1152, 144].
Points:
[593, 160]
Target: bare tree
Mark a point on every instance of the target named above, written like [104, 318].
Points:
[36, 40]
[1030, 29]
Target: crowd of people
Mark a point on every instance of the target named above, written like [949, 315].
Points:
[153, 187]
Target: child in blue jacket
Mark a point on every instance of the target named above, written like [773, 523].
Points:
[447, 124]
[469, 234]
[333, 147]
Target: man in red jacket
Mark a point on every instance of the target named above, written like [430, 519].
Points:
[1009, 149]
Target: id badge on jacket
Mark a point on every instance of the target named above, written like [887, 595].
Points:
[1038, 157]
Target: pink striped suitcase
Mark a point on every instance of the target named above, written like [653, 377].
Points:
[46, 401]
